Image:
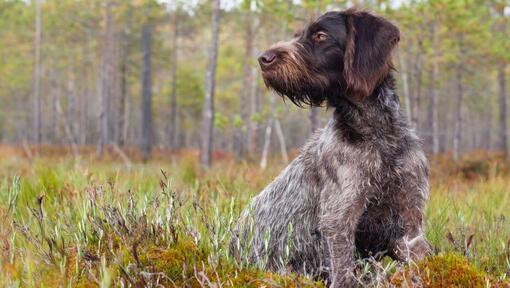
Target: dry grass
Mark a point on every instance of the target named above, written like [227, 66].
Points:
[85, 222]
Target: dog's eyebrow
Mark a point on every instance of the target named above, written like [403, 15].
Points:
[315, 27]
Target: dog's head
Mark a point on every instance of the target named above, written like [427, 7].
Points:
[341, 53]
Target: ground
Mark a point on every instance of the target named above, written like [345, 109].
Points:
[88, 222]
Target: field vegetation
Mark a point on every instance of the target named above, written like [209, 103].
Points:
[113, 86]
[89, 223]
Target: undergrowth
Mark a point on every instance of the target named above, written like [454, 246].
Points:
[86, 224]
[105, 238]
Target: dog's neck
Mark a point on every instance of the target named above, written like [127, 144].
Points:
[375, 118]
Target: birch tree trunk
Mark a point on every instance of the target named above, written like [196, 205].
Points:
[281, 139]
[37, 125]
[146, 93]
[208, 113]
[267, 142]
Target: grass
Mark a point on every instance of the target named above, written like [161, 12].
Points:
[92, 223]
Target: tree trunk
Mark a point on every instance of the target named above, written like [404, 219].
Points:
[247, 83]
[37, 125]
[70, 106]
[281, 139]
[278, 129]
[123, 95]
[267, 142]
[254, 106]
[458, 114]
[53, 120]
[105, 79]
[405, 84]
[172, 127]
[486, 134]
[67, 128]
[84, 112]
[124, 88]
[127, 118]
[146, 93]
[433, 94]
[56, 93]
[415, 103]
[503, 140]
[208, 113]
[457, 129]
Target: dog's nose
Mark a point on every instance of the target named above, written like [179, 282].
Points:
[267, 58]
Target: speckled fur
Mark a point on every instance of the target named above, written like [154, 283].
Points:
[359, 184]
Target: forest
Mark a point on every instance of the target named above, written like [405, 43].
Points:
[73, 74]
[134, 132]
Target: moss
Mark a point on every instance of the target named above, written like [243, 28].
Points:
[175, 261]
[184, 261]
[448, 270]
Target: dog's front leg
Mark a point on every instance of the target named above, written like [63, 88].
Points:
[341, 209]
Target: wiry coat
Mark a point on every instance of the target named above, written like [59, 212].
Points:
[359, 184]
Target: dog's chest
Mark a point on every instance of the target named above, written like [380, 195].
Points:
[361, 165]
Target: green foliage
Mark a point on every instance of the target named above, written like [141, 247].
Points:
[237, 121]
[221, 122]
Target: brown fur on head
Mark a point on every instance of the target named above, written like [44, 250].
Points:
[341, 54]
[367, 60]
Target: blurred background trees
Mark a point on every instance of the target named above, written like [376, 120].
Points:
[123, 74]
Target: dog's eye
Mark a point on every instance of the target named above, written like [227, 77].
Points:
[320, 36]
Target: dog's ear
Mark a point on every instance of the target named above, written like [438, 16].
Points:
[367, 59]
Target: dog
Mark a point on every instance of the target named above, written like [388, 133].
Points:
[360, 185]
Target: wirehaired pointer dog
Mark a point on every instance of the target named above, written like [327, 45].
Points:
[360, 184]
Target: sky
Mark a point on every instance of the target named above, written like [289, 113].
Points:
[229, 4]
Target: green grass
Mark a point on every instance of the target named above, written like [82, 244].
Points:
[89, 223]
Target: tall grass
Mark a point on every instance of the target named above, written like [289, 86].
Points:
[88, 223]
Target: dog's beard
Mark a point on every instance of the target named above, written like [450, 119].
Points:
[293, 78]
[296, 85]
[295, 93]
